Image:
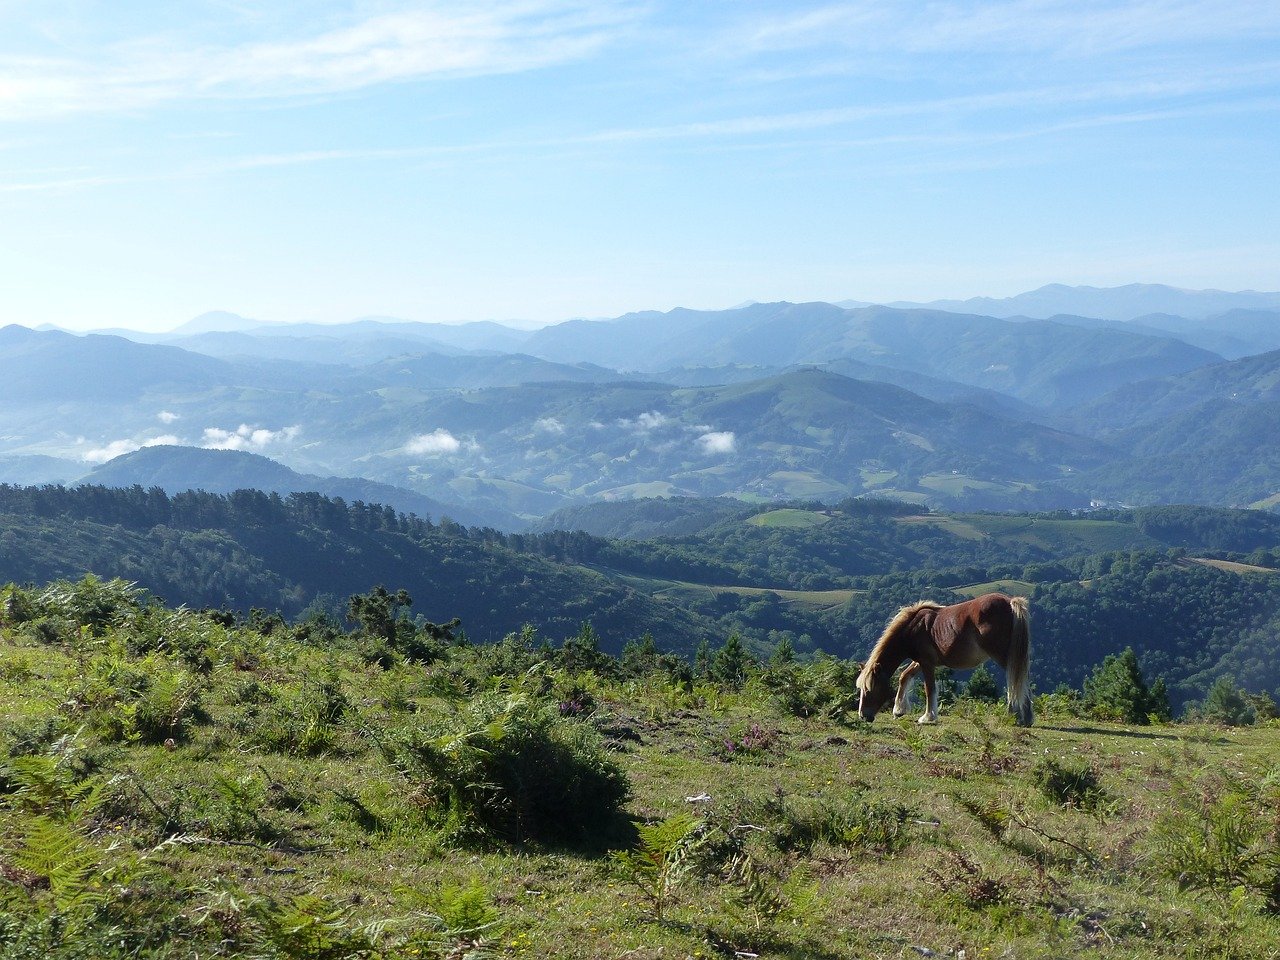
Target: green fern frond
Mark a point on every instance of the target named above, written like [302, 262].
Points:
[69, 861]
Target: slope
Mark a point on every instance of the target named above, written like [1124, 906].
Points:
[176, 468]
[251, 549]
[1040, 362]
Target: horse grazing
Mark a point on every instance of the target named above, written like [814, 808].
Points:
[962, 636]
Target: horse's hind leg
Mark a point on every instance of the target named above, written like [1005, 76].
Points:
[930, 696]
[1023, 712]
[905, 683]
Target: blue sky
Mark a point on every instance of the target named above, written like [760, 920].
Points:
[543, 159]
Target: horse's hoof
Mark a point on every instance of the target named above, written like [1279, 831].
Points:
[927, 720]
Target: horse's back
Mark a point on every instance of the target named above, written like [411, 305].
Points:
[985, 611]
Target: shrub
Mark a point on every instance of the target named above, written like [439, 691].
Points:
[92, 603]
[852, 822]
[167, 704]
[982, 686]
[1220, 845]
[824, 687]
[1226, 703]
[503, 766]
[966, 882]
[1070, 783]
[1117, 691]
[300, 720]
[313, 929]
[731, 663]
[752, 742]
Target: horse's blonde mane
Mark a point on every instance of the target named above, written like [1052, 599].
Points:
[896, 624]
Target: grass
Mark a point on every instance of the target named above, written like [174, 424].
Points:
[826, 839]
[1014, 588]
[963, 529]
[1080, 535]
[1232, 567]
[876, 478]
[803, 485]
[813, 599]
[958, 483]
[789, 518]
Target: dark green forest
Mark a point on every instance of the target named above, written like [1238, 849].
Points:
[1192, 590]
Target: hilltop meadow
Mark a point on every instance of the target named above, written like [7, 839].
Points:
[180, 783]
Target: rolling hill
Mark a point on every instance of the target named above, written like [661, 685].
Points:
[808, 433]
[1196, 592]
[1110, 303]
[1042, 363]
[251, 549]
[175, 469]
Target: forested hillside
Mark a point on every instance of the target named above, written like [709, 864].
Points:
[1195, 591]
[250, 549]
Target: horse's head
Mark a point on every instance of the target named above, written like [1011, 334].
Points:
[895, 645]
[876, 686]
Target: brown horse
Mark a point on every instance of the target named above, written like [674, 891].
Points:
[962, 636]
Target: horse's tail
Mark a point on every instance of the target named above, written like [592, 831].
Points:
[1018, 665]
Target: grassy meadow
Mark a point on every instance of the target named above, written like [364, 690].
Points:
[183, 784]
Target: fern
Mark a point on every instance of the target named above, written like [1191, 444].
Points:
[662, 859]
[70, 862]
[46, 785]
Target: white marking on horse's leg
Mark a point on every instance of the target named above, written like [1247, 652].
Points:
[931, 713]
[903, 703]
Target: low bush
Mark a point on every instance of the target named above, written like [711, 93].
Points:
[850, 822]
[504, 766]
[1070, 783]
[1223, 846]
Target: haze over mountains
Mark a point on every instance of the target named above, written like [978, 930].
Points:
[1054, 398]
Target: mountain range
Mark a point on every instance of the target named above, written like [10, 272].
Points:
[1137, 394]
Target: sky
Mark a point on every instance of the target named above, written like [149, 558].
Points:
[545, 159]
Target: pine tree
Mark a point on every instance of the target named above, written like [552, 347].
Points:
[731, 662]
[639, 656]
[1117, 691]
[783, 654]
[982, 686]
[1227, 703]
[1158, 706]
[378, 610]
[582, 651]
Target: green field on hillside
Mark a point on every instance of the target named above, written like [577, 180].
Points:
[1014, 588]
[790, 518]
[173, 785]
[816, 600]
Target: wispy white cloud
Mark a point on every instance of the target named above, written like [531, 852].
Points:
[165, 416]
[245, 437]
[646, 422]
[1005, 116]
[419, 41]
[1126, 90]
[118, 448]
[549, 425]
[1077, 28]
[437, 442]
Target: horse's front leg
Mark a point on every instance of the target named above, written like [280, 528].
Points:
[930, 695]
[905, 683]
